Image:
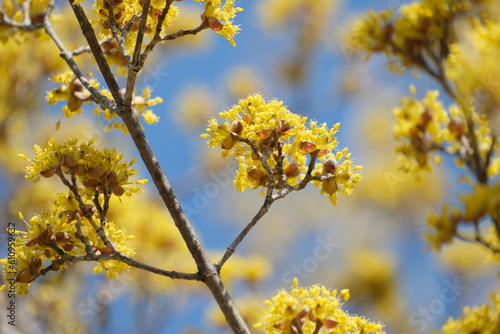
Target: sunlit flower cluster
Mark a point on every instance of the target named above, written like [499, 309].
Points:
[479, 319]
[407, 35]
[481, 204]
[219, 15]
[126, 13]
[423, 127]
[97, 171]
[17, 11]
[472, 67]
[75, 94]
[313, 309]
[276, 148]
[38, 250]
[72, 91]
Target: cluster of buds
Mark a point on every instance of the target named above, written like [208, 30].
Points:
[113, 53]
[29, 274]
[295, 325]
[101, 179]
[45, 238]
[97, 171]
[119, 9]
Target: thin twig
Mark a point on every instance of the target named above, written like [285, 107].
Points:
[135, 66]
[113, 27]
[230, 250]
[180, 33]
[86, 49]
[102, 100]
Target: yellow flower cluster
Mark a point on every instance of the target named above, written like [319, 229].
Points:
[218, 15]
[36, 251]
[457, 43]
[126, 13]
[72, 91]
[426, 127]
[96, 171]
[422, 127]
[311, 310]
[471, 64]
[16, 11]
[408, 36]
[480, 319]
[482, 203]
[273, 144]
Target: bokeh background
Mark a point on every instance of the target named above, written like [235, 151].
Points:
[371, 242]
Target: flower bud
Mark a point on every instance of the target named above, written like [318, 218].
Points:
[74, 103]
[66, 161]
[256, 177]
[24, 276]
[292, 170]
[425, 118]
[329, 186]
[76, 85]
[306, 147]
[90, 183]
[228, 142]
[68, 247]
[237, 127]
[263, 134]
[32, 242]
[89, 208]
[283, 127]
[330, 166]
[322, 152]
[215, 24]
[62, 237]
[110, 177]
[46, 235]
[118, 191]
[106, 251]
[95, 172]
[48, 172]
[456, 127]
[327, 323]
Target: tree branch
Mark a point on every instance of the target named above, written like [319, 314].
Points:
[207, 271]
[95, 47]
[230, 250]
